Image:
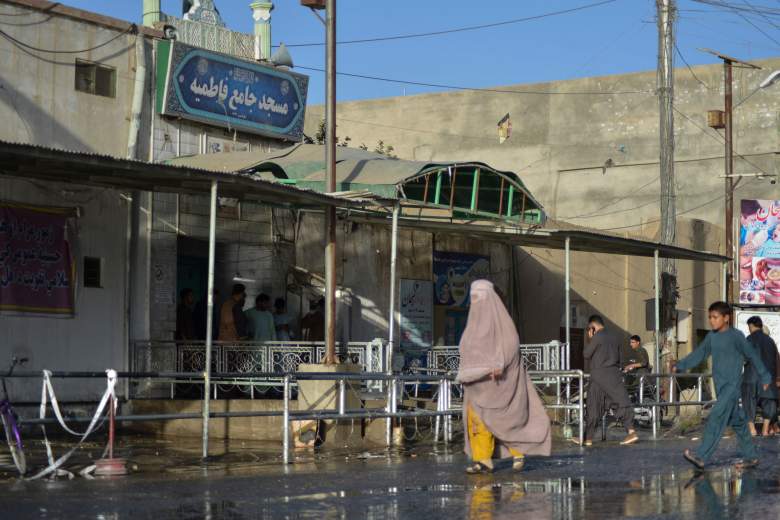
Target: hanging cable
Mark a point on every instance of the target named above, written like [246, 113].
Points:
[132, 29]
[488, 90]
[455, 30]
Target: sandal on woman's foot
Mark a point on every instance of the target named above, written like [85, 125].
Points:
[518, 463]
[693, 459]
[478, 467]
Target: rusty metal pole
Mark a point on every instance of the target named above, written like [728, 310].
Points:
[330, 183]
[729, 171]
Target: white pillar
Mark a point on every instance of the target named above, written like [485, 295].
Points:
[209, 316]
[393, 282]
[567, 289]
[261, 14]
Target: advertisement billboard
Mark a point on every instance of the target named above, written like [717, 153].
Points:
[759, 252]
[453, 274]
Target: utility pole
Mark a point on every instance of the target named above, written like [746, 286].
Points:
[330, 171]
[330, 161]
[728, 167]
[666, 14]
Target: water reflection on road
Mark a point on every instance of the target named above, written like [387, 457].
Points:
[247, 481]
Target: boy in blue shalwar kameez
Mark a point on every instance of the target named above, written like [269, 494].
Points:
[730, 350]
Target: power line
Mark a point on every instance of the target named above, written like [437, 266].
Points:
[690, 69]
[131, 29]
[457, 29]
[477, 89]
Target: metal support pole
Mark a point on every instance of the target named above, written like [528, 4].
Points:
[389, 408]
[209, 316]
[567, 288]
[447, 418]
[581, 377]
[724, 296]
[330, 185]
[656, 284]
[342, 397]
[729, 171]
[393, 273]
[439, 408]
[286, 422]
[700, 396]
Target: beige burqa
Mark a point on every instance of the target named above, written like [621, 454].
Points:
[509, 405]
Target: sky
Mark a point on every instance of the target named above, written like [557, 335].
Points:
[618, 36]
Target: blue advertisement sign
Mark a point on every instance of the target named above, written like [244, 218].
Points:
[453, 274]
[218, 89]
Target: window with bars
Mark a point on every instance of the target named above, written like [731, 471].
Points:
[94, 78]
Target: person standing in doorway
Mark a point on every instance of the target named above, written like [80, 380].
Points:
[606, 382]
[313, 324]
[232, 322]
[753, 395]
[502, 412]
[185, 316]
[260, 320]
[282, 320]
[729, 350]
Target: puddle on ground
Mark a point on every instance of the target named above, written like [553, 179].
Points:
[246, 480]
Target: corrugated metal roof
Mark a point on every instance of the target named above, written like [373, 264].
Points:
[88, 168]
[355, 168]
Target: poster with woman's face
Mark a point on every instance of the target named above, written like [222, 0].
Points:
[759, 252]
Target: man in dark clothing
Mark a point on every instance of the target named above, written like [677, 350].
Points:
[753, 393]
[637, 362]
[185, 318]
[606, 382]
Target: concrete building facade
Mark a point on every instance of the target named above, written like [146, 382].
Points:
[588, 149]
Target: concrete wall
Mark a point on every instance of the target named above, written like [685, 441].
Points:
[364, 268]
[39, 105]
[38, 100]
[95, 338]
[559, 144]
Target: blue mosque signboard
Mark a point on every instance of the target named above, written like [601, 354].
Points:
[218, 89]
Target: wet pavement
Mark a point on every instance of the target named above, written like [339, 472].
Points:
[247, 481]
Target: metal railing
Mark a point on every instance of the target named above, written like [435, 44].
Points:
[275, 358]
[674, 387]
[537, 356]
[446, 407]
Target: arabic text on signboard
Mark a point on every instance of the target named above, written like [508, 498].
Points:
[36, 273]
[218, 89]
[416, 314]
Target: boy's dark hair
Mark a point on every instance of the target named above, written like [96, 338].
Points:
[239, 288]
[722, 308]
[596, 320]
[262, 297]
[756, 322]
[635, 338]
[280, 303]
[184, 293]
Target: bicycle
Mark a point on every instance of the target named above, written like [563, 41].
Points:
[10, 426]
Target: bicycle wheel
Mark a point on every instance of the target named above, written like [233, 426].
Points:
[14, 442]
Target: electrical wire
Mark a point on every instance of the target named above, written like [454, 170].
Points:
[477, 89]
[457, 29]
[132, 29]
[690, 69]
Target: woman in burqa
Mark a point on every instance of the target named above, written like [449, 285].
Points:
[502, 413]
